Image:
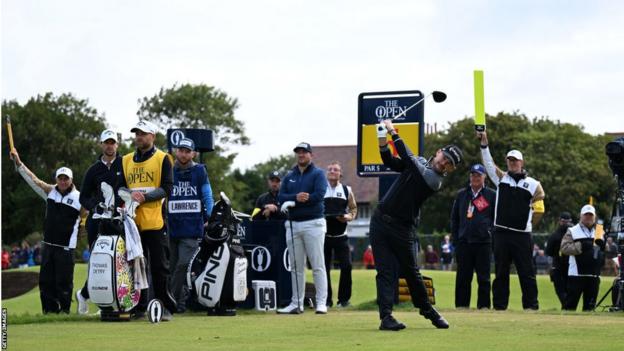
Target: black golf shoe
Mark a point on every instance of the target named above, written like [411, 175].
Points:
[436, 319]
[389, 323]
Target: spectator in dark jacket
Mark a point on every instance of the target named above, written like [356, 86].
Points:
[559, 269]
[268, 204]
[471, 225]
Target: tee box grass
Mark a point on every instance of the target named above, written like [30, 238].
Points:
[353, 328]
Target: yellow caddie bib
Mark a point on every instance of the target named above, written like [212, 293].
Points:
[144, 177]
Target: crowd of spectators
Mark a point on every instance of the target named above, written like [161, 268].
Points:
[21, 256]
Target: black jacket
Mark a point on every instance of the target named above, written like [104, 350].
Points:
[416, 183]
[478, 228]
[266, 199]
[553, 245]
[91, 194]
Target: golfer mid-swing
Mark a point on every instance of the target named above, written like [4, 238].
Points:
[393, 225]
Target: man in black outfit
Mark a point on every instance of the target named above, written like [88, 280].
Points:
[393, 225]
[268, 204]
[559, 270]
[472, 218]
[107, 168]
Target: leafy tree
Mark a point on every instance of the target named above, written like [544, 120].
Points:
[202, 106]
[49, 132]
[570, 164]
[255, 178]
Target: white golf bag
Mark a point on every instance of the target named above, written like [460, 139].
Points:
[217, 274]
[111, 277]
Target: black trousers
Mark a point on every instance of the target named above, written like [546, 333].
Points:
[156, 251]
[513, 247]
[92, 227]
[56, 279]
[338, 248]
[560, 282]
[588, 286]
[393, 247]
[472, 258]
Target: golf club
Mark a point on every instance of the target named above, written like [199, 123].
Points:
[285, 208]
[438, 97]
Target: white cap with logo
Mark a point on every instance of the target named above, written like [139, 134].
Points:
[588, 209]
[107, 135]
[64, 171]
[515, 154]
[145, 127]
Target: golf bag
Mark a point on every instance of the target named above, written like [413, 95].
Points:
[217, 273]
[110, 276]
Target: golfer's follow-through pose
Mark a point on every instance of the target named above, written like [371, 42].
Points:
[392, 228]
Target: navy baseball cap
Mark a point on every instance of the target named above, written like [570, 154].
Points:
[274, 175]
[477, 168]
[186, 143]
[303, 146]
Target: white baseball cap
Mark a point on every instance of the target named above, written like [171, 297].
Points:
[588, 209]
[145, 127]
[108, 134]
[64, 171]
[515, 154]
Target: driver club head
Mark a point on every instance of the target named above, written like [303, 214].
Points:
[438, 96]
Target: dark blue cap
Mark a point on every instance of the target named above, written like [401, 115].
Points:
[186, 143]
[477, 168]
[303, 146]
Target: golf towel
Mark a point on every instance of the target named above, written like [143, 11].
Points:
[134, 252]
[133, 240]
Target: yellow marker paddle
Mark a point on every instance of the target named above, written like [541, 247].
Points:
[10, 133]
[479, 118]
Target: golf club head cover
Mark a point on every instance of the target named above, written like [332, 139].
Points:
[130, 205]
[381, 130]
[286, 205]
[109, 195]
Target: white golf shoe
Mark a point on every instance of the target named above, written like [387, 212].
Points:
[83, 306]
[321, 309]
[290, 309]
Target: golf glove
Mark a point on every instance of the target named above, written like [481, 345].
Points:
[381, 130]
[286, 205]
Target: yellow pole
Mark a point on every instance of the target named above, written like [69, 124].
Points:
[10, 132]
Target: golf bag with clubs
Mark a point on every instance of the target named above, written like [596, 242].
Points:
[217, 273]
[110, 274]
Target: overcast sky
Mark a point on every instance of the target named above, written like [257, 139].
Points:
[297, 67]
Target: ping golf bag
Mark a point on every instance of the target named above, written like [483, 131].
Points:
[217, 273]
[110, 276]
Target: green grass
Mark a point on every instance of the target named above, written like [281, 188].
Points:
[354, 328]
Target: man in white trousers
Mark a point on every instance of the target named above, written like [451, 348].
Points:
[302, 191]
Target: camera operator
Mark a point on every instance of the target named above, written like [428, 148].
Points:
[559, 269]
[586, 258]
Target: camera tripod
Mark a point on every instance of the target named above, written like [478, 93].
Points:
[616, 230]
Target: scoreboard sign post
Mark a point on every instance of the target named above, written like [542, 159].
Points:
[376, 106]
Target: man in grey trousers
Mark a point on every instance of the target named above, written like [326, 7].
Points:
[190, 204]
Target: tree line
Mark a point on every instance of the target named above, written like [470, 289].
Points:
[54, 130]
